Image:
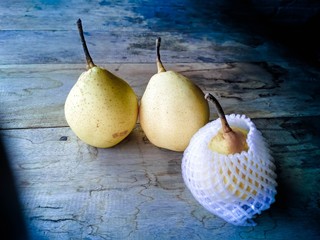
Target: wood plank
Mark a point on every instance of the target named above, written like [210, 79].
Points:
[135, 190]
[124, 31]
[170, 15]
[41, 47]
[33, 95]
[117, 31]
[227, 30]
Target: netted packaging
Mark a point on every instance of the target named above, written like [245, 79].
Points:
[234, 187]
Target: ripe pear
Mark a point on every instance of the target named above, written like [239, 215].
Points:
[231, 140]
[101, 108]
[172, 108]
[228, 140]
[228, 169]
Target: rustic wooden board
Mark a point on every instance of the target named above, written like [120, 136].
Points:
[39, 47]
[170, 15]
[42, 32]
[135, 190]
[34, 95]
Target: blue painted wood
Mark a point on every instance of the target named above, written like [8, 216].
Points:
[41, 32]
[135, 190]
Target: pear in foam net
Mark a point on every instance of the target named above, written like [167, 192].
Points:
[228, 168]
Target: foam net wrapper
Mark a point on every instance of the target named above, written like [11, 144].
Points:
[234, 187]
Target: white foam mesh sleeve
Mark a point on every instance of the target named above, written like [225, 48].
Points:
[235, 187]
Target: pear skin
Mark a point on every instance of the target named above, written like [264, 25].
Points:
[231, 142]
[228, 140]
[172, 109]
[101, 108]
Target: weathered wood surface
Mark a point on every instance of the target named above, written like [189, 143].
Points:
[135, 190]
[33, 96]
[69, 190]
[114, 47]
[120, 31]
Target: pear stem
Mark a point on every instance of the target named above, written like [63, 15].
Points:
[90, 63]
[159, 63]
[225, 125]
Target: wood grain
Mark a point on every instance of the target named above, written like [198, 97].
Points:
[42, 32]
[34, 95]
[63, 47]
[135, 190]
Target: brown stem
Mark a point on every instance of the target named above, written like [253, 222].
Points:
[90, 63]
[159, 63]
[225, 125]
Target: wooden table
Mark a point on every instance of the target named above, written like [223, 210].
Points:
[69, 190]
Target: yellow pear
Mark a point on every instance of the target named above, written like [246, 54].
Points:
[228, 168]
[228, 140]
[101, 108]
[172, 108]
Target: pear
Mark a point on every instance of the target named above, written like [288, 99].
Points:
[101, 108]
[228, 168]
[172, 108]
[228, 140]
